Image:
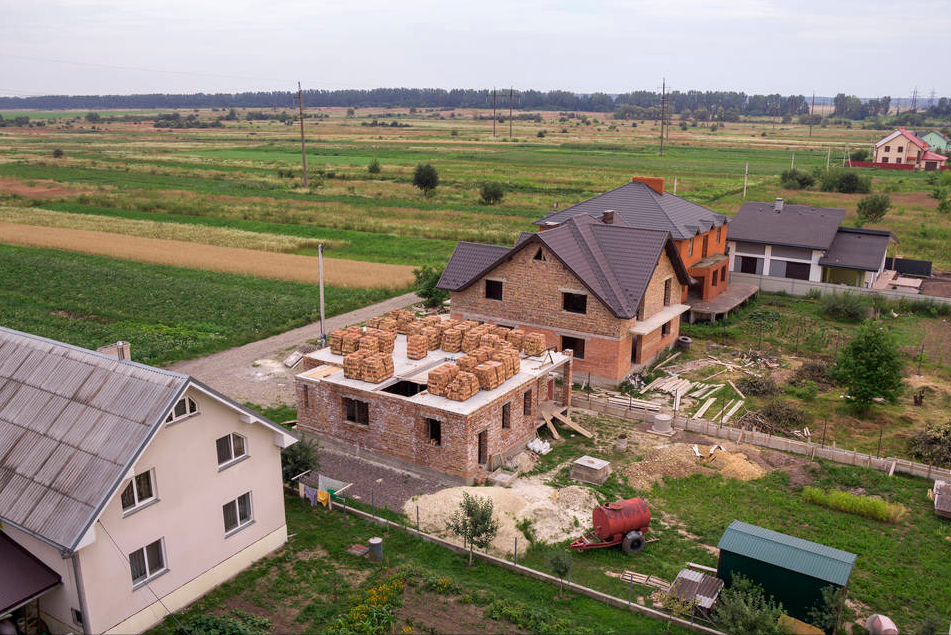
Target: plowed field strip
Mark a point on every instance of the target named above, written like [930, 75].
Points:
[345, 273]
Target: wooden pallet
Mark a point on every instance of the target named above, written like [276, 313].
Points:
[646, 580]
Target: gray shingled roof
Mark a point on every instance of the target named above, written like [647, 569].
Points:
[794, 226]
[795, 554]
[855, 248]
[614, 262]
[638, 205]
[467, 260]
[71, 420]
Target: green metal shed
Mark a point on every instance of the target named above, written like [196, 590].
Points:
[794, 571]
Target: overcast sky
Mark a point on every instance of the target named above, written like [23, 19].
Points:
[864, 47]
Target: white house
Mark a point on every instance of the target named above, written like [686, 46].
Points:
[140, 488]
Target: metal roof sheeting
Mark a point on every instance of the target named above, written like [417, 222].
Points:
[795, 554]
[792, 226]
[70, 422]
[857, 249]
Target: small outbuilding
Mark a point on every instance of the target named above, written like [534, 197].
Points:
[792, 570]
[942, 498]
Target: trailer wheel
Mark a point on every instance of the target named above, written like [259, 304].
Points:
[633, 542]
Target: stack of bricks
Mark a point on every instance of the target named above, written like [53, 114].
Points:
[369, 344]
[490, 375]
[413, 328]
[534, 344]
[471, 340]
[452, 340]
[467, 363]
[440, 378]
[431, 320]
[403, 320]
[352, 365]
[376, 367]
[483, 353]
[489, 339]
[350, 342]
[444, 325]
[336, 341]
[501, 331]
[417, 346]
[432, 337]
[387, 324]
[462, 387]
[385, 341]
[509, 359]
[515, 337]
[374, 322]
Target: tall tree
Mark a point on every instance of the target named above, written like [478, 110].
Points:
[870, 366]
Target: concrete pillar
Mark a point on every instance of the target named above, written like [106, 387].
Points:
[566, 378]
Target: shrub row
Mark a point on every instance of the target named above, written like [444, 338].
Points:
[867, 506]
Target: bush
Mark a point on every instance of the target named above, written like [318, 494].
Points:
[58, 153]
[491, 193]
[374, 167]
[744, 608]
[932, 444]
[541, 133]
[785, 416]
[796, 179]
[425, 178]
[807, 391]
[870, 366]
[298, 458]
[872, 208]
[845, 306]
[859, 155]
[867, 506]
[844, 181]
[751, 385]
[426, 279]
[234, 623]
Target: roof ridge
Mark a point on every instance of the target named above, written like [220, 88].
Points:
[590, 242]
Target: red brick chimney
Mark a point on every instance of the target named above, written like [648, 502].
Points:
[656, 183]
[607, 217]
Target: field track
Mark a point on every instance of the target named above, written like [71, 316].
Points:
[344, 273]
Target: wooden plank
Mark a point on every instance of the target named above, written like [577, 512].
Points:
[668, 360]
[694, 565]
[738, 391]
[733, 410]
[571, 424]
[722, 410]
[712, 391]
[705, 407]
[651, 385]
[551, 428]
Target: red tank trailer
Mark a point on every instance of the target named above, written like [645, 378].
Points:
[619, 523]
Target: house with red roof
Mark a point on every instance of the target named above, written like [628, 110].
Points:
[904, 148]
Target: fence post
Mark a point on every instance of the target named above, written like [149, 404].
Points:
[516, 551]
[417, 519]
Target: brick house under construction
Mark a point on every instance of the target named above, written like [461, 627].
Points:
[698, 233]
[609, 292]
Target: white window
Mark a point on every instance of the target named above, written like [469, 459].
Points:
[139, 491]
[230, 448]
[147, 562]
[186, 406]
[237, 513]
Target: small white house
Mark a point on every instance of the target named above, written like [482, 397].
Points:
[139, 488]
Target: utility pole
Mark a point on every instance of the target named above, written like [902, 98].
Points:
[746, 174]
[320, 270]
[510, 112]
[303, 150]
[494, 117]
[663, 112]
[812, 111]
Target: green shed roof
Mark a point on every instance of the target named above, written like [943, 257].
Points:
[781, 550]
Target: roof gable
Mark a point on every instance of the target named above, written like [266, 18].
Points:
[638, 205]
[782, 550]
[903, 133]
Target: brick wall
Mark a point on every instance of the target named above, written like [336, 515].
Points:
[654, 296]
[398, 426]
[653, 343]
[713, 246]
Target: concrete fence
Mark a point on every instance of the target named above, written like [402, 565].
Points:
[731, 433]
[803, 287]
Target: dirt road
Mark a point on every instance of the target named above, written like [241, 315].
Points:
[255, 372]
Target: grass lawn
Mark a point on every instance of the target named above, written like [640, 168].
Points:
[308, 583]
[167, 313]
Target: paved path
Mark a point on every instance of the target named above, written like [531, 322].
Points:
[254, 372]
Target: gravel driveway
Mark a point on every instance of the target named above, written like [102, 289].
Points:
[255, 372]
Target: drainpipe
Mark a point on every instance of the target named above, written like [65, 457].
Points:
[79, 591]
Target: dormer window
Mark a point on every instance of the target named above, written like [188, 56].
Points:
[185, 407]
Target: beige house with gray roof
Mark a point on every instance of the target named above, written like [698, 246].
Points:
[141, 488]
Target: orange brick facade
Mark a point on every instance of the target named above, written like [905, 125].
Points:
[532, 300]
[713, 278]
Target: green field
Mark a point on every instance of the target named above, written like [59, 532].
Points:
[168, 313]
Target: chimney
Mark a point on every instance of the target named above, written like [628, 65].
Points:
[607, 217]
[548, 225]
[778, 205]
[656, 183]
[120, 350]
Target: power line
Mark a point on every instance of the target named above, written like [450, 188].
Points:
[123, 557]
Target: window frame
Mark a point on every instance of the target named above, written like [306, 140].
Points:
[573, 348]
[358, 406]
[668, 291]
[500, 287]
[138, 503]
[690, 247]
[234, 459]
[507, 415]
[888, 148]
[665, 328]
[719, 234]
[527, 403]
[191, 409]
[149, 573]
[237, 514]
[570, 299]
[429, 432]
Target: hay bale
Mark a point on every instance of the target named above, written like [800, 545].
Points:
[369, 344]
[534, 344]
[432, 337]
[352, 365]
[417, 346]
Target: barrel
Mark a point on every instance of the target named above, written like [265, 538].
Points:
[620, 517]
[376, 549]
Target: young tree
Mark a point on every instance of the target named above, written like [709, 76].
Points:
[826, 613]
[491, 193]
[744, 608]
[426, 178]
[560, 564]
[870, 366]
[473, 522]
[299, 458]
[426, 279]
[374, 167]
[872, 208]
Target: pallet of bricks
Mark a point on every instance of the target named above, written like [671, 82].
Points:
[451, 382]
[534, 344]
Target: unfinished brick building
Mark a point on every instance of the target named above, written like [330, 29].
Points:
[698, 233]
[611, 293]
[455, 397]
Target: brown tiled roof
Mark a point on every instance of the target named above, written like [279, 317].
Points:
[614, 262]
[793, 226]
[636, 204]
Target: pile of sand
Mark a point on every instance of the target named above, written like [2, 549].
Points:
[676, 460]
[736, 465]
[556, 514]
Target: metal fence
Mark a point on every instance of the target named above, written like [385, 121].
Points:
[731, 433]
[803, 287]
